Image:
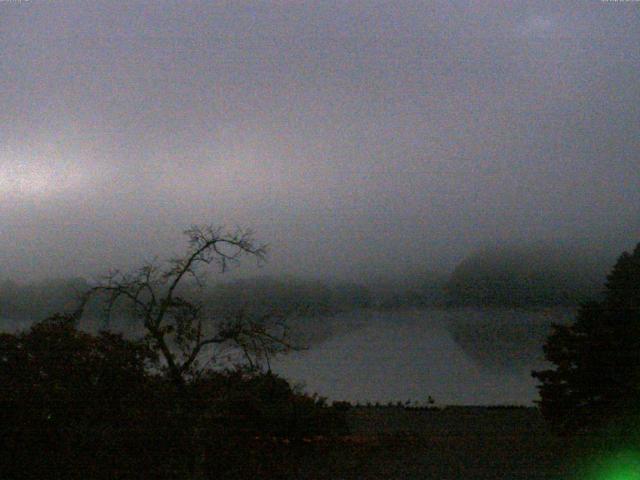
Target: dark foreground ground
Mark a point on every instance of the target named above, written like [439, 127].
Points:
[451, 443]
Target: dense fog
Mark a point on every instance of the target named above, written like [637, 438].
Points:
[394, 156]
[373, 239]
[469, 337]
[356, 139]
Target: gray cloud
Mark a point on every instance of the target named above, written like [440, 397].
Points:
[350, 134]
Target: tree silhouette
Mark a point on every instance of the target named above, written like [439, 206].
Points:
[597, 359]
[179, 328]
[76, 405]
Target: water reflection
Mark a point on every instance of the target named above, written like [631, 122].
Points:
[456, 356]
[409, 355]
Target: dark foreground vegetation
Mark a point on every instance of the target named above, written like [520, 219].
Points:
[80, 406]
[77, 405]
[595, 379]
[74, 405]
[451, 443]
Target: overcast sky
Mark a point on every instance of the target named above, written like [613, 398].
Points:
[353, 136]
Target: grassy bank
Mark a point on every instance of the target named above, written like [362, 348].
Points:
[452, 443]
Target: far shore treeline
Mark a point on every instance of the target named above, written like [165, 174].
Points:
[507, 276]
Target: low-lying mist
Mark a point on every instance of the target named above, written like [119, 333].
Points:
[471, 336]
[409, 355]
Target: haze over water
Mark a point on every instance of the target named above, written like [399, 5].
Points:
[411, 354]
[360, 140]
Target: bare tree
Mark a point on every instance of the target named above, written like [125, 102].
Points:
[179, 328]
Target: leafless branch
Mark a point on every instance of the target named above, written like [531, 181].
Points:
[174, 324]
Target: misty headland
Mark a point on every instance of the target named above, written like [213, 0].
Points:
[433, 185]
[369, 145]
[471, 336]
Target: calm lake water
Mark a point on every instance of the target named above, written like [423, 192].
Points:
[457, 356]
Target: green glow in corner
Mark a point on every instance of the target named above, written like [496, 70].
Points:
[623, 466]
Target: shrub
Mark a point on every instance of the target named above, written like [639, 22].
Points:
[77, 406]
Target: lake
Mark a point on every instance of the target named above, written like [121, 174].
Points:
[457, 356]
